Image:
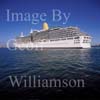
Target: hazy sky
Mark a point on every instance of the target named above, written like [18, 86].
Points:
[83, 13]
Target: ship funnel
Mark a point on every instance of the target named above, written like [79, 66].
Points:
[45, 26]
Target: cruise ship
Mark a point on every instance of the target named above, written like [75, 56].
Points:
[68, 37]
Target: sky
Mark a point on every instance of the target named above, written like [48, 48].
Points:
[84, 14]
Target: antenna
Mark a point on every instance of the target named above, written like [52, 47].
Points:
[21, 34]
[31, 31]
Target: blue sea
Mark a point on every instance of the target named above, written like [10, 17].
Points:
[51, 63]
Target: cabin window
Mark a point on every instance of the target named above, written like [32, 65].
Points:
[76, 37]
[85, 41]
[69, 38]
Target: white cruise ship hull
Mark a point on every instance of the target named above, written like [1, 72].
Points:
[54, 44]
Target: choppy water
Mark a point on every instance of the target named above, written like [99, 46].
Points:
[62, 63]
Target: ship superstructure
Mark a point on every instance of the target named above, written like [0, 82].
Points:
[69, 37]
